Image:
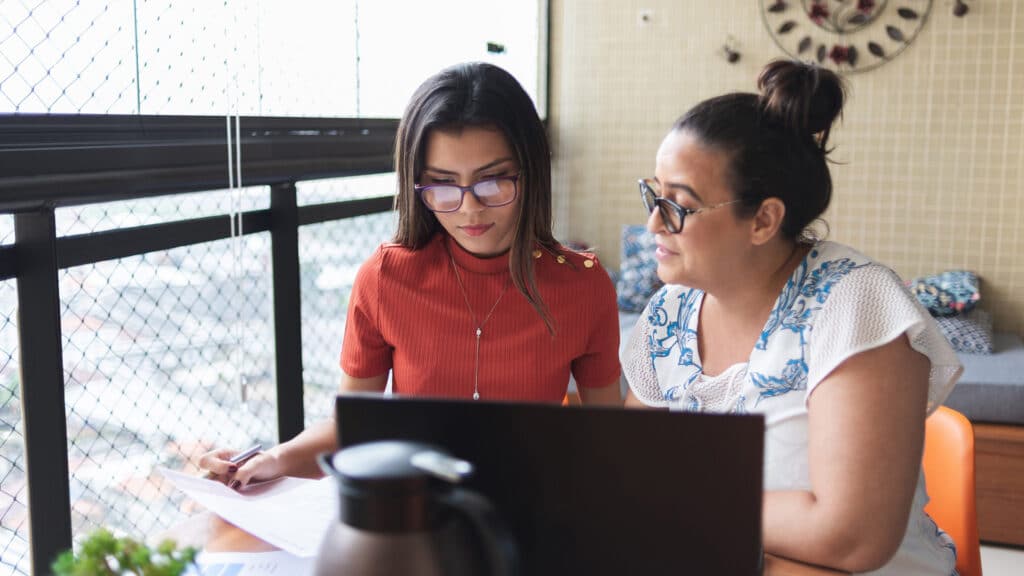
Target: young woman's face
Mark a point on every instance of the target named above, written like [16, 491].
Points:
[463, 158]
[695, 178]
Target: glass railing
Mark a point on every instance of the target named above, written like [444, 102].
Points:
[141, 326]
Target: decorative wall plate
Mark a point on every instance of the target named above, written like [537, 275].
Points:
[845, 35]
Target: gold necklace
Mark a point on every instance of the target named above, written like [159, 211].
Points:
[480, 326]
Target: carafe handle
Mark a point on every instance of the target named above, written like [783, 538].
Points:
[323, 460]
[499, 546]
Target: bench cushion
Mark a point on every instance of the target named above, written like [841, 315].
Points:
[638, 273]
[992, 386]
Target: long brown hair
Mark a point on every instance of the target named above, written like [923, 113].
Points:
[479, 94]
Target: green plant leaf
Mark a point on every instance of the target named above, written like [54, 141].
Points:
[103, 554]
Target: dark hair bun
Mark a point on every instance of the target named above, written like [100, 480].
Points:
[805, 97]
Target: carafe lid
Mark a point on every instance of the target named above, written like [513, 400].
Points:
[389, 485]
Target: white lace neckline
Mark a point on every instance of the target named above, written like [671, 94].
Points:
[721, 392]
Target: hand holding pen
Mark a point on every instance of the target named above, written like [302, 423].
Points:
[238, 469]
[237, 460]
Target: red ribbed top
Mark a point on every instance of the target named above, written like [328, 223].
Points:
[407, 314]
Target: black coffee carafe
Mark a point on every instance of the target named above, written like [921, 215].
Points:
[401, 514]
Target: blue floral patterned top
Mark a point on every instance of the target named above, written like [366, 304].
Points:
[778, 363]
[836, 303]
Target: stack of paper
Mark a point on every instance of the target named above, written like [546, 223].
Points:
[292, 514]
[251, 564]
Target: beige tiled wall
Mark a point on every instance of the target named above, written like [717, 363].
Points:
[932, 143]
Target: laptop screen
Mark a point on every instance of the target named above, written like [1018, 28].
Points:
[591, 490]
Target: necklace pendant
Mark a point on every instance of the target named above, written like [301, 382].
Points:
[476, 395]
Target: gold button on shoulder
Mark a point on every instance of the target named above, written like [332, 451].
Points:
[588, 263]
[537, 253]
[560, 259]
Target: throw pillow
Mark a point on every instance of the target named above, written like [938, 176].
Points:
[970, 333]
[946, 294]
[638, 272]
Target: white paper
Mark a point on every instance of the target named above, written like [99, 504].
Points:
[251, 564]
[292, 514]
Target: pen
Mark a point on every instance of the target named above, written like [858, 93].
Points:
[240, 457]
[246, 454]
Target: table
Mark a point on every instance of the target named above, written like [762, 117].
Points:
[214, 534]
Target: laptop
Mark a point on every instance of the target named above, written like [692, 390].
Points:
[594, 490]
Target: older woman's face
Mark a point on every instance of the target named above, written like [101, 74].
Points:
[695, 178]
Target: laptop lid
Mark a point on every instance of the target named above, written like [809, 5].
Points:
[591, 490]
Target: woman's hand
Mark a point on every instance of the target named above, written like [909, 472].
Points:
[296, 457]
[261, 467]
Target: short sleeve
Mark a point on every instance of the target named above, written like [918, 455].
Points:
[637, 365]
[364, 352]
[870, 308]
[599, 365]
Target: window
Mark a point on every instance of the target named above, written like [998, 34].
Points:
[149, 337]
[316, 58]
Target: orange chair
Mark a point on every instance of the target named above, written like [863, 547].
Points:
[949, 472]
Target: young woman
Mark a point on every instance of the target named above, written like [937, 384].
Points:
[758, 317]
[474, 298]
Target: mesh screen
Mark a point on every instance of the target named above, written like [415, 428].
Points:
[337, 189]
[113, 215]
[166, 355]
[250, 58]
[171, 353]
[330, 255]
[14, 537]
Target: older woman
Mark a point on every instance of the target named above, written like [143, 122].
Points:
[759, 317]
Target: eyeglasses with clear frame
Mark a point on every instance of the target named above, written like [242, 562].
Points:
[672, 214]
[492, 193]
